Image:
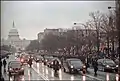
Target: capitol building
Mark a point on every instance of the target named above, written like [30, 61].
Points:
[14, 39]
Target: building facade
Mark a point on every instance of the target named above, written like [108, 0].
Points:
[40, 36]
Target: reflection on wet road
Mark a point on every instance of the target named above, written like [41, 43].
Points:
[41, 72]
[48, 74]
[29, 73]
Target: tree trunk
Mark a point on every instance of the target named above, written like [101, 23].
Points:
[108, 45]
[98, 42]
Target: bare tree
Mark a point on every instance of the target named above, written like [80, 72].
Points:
[96, 24]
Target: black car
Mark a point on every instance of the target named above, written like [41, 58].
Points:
[47, 59]
[73, 65]
[38, 58]
[50, 63]
[15, 67]
[107, 65]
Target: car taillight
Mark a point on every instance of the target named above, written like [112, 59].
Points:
[22, 60]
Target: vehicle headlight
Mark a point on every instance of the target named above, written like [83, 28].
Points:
[51, 62]
[22, 68]
[46, 60]
[84, 66]
[107, 66]
[116, 65]
[10, 68]
[71, 66]
[37, 59]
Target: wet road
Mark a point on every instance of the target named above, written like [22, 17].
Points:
[41, 72]
[48, 74]
[29, 73]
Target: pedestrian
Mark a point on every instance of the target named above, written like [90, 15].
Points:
[56, 66]
[0, 67]
[95, 66]
[4, 64]
[30, 62]
[86, 64]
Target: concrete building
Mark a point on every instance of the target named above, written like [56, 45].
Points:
[40, 36]
[14, 39]
[58, 32]
[51, 31]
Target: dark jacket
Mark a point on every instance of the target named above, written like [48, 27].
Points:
[30, 61]
[0, 63]
[95, 65]
[4, 62]
[56, 65]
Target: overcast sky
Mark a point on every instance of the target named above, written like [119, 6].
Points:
[32, 17]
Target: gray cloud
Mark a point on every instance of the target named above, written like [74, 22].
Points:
[32, 17]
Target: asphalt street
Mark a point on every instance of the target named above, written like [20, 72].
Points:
[29, 73]
[41, 72]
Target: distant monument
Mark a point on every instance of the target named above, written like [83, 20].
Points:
[14, 39]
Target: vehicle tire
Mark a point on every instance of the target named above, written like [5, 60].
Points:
[116, 70]
[44, 63]
[50, 66]
[10, 74]
[70, 71]
[64, 69]
[104, 70]
[22, 73]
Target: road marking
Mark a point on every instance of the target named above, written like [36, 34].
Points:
[93, 77]
[46, 79]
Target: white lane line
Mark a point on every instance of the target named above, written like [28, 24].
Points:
[93, 77]
[46, 79]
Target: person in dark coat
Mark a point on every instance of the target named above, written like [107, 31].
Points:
[30, 62]
[0, 67]
[56, 65]
[95, 66]
[4, 64]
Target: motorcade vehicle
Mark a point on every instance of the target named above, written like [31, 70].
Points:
[24, 59]
[107, 65]
[117, 61]
[47, 59]
[50, 63]
[38, 58]
[73, 65]
[15, 67]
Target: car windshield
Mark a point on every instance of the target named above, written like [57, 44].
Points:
[15, 64]
[48, 57]
[75, 62]
[109, 61]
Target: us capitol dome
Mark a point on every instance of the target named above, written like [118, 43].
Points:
[14, 39]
